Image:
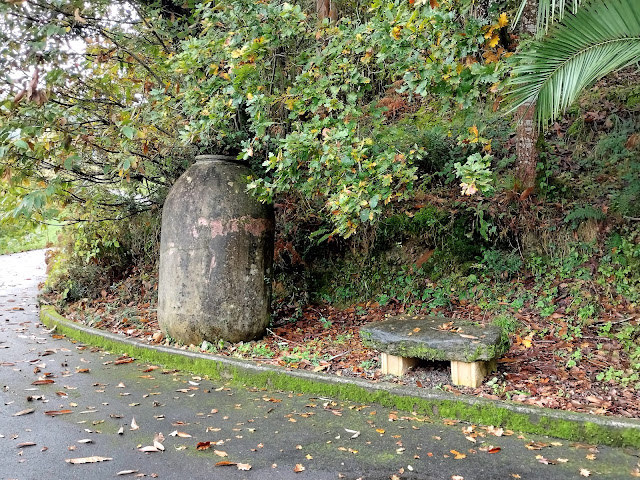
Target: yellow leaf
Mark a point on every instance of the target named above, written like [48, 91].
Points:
[494, 40]
[502, 20]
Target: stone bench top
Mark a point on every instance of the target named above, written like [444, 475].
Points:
[434, 338]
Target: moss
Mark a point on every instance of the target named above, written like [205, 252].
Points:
[484, 413]
[416, 350]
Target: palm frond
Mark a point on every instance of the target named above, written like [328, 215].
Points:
[549, 12]
[603, 36]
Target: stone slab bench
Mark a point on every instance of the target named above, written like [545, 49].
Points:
[405, 339]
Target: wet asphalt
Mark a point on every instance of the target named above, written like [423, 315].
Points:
[63, 402]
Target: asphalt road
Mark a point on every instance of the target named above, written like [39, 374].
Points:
[102, 405]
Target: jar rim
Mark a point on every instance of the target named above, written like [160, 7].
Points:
[220, 158]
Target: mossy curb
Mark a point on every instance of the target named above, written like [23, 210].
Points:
[614, 431]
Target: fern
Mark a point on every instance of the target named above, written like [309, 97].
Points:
[582, 213]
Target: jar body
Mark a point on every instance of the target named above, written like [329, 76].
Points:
[216, 256]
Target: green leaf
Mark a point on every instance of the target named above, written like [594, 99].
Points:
[21, 144]
[128, 132]
[603, 36]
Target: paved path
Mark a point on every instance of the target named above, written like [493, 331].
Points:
[272, 432]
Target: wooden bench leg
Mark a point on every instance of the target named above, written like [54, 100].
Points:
[470, 374]
[392, 365]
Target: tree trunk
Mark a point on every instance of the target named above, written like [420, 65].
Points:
[526, 131]
[326, 9]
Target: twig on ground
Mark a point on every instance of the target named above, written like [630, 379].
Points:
[339, 355]
[282, 338]
[600, 322]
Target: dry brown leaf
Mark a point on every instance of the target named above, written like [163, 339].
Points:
[123, 360]
[203, 446]
[53, 413]
[45, 381]
[225, 463]
[244, 466]
[494, 450]
[94, 459]
[26, 444]
[220, 453]
[299, 468]
[458, 455]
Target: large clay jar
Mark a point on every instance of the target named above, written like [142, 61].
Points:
[216, 256]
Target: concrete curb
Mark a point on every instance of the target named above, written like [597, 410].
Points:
[615, 431]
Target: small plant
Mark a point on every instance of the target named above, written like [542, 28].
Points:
[326, 324]
[475, 174]
[260, 350]
[574, 358]
[497, 388]
[343, 338]
[508, 326]
[368, 365]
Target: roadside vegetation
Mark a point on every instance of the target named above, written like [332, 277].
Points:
[384, 139]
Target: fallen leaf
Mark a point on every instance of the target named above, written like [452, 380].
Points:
[457, 477]
[148, 449]
[75, 461]
[494, 450]
[24, 412]
[157, 441]
[244, 466]
[85, 440]
[220, 453]
[203, 446]
[355, 433]
[458, 455]
[585, 473]
[536, 445]
[225, 463]
[126, 472]
[53, 413]
[298, 468]
[26, 444]
[134, 425]
[123, 360]
[176, 433]
[45, 381]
